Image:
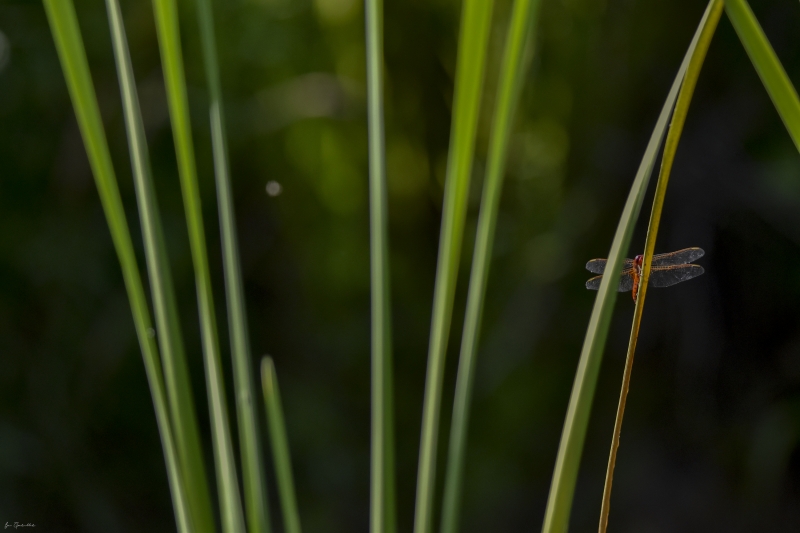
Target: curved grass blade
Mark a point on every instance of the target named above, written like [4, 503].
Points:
[562, 488]
[166, 16]
[511, 77]
[474, 33]
[280, 446]
[670, 148]
[178, 385]
[382, 495]
[249, 441]
[769, 68]
[69, 44]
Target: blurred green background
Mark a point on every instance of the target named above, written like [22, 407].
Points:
[711, 440]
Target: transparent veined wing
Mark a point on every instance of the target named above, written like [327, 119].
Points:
[598, 266]
[681, 257]
[668, 276]
[625, 282]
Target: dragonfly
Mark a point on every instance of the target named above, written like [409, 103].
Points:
[665, 270]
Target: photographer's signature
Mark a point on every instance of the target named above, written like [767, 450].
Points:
[17, 525]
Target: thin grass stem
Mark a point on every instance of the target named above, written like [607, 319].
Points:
[511, 76]
[562, 487]
[670, 148]
[69, 44]
[280, 446]
[473, 36]
[382, 502]
[249, 440]
[166, 15]
[178, 385]
[767, 64]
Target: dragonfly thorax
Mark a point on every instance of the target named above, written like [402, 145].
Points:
[637, 274]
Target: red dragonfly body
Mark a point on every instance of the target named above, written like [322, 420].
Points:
[665, 270]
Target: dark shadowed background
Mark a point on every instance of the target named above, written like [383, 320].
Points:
[711, 440]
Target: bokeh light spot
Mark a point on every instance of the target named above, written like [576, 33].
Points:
[547, 257]
[541, 148]
[5, 51]
[407, 168]
[336, 12]
[340, 186]
[274, 188]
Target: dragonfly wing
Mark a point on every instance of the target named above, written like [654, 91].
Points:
[598, 266]
[681, 257]
[594, 283]
[668, 276]
[625, 282]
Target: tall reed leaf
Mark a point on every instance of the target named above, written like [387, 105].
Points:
[179, 390]
[249, 440]
[166, 15]
[69, 44]
[511, 76]
[670, 148]
[769, 68]
[562, 487]
[382, 499]
[474, 33]
[280, 446]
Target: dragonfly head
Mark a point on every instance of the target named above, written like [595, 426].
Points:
[637, 261]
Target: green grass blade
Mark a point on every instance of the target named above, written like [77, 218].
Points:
[511, 76]
[382, 499]
[673, 137]
[473, 36]
[562, 487]
[670, 148]
[280, 446]
[249, 440]
[69, 44]
[769, 68]
[176, 372]
[166, 16]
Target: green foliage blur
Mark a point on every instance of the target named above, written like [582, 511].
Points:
[712, 432]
